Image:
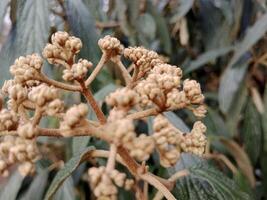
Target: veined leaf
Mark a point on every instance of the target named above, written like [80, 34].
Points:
[11, 189]
[205, 182]
[37, 187]
[83, 26]
[66, 171]
[28, 36]
[251, 132]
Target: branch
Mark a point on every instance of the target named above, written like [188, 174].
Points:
[112, 157]
[97, 69]
[127, 77]
[91, 100]
[143, 114]
[57, 84]
[157, 184]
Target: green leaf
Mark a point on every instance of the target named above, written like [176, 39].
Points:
[28, 36]
[230, 83]
[251, 132]
[11, 189]
[205, 182]
[37, 187]
[256, 32]
[181, 10]
[66, 171]
[3, 9]
[82, 25]
[207, 57]
[66, 191]
[176, 121]
[146, 20]
[162, 28]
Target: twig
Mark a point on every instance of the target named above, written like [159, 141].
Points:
[97, 69]
[127, 77]
[91, 100]
[143, 114]
[157, 184]
[57, 84]
[112, 157]
[107, 24]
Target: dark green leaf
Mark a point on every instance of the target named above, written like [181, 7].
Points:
[206, 58]
[176, 121]
[230, 83]
[181, 10]
[66, 171]
[83, 26]
[66, 191]
[251, 132]
[37, 187]
[205, 182]
[11, 189]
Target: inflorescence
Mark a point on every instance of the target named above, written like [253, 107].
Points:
[153, 88]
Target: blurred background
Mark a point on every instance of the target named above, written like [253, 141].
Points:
[220, 43]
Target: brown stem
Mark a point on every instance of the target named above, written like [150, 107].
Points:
[37, 116]
[97, 69]
[157, 184]
[57, 84]
[91, 100]
[127, 77]
[143, 114]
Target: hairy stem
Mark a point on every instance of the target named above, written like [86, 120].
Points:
[57, 84]
[143, 114]
[157, 184]
[127, 77]
[112, 157]
[97, 69]
[91, 100]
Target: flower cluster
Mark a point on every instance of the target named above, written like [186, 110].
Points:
[63, 47]
[17, 150]
[153, 88]
[104, 182]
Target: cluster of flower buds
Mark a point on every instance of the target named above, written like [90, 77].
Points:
[77, 71]
[104, 182]
[195, 141]
[110, 46]
[143, 59]
[63, 48]
[74, 116]
[170, 141]
[8, 120]
[26, 68]
[122, 98]
[18, 150]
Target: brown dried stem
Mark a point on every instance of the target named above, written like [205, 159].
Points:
[127, 77]
[112, 157]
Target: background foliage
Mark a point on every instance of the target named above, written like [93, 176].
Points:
[221, 43]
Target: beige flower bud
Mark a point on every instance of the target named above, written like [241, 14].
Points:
[27, 131]
[110, 45]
